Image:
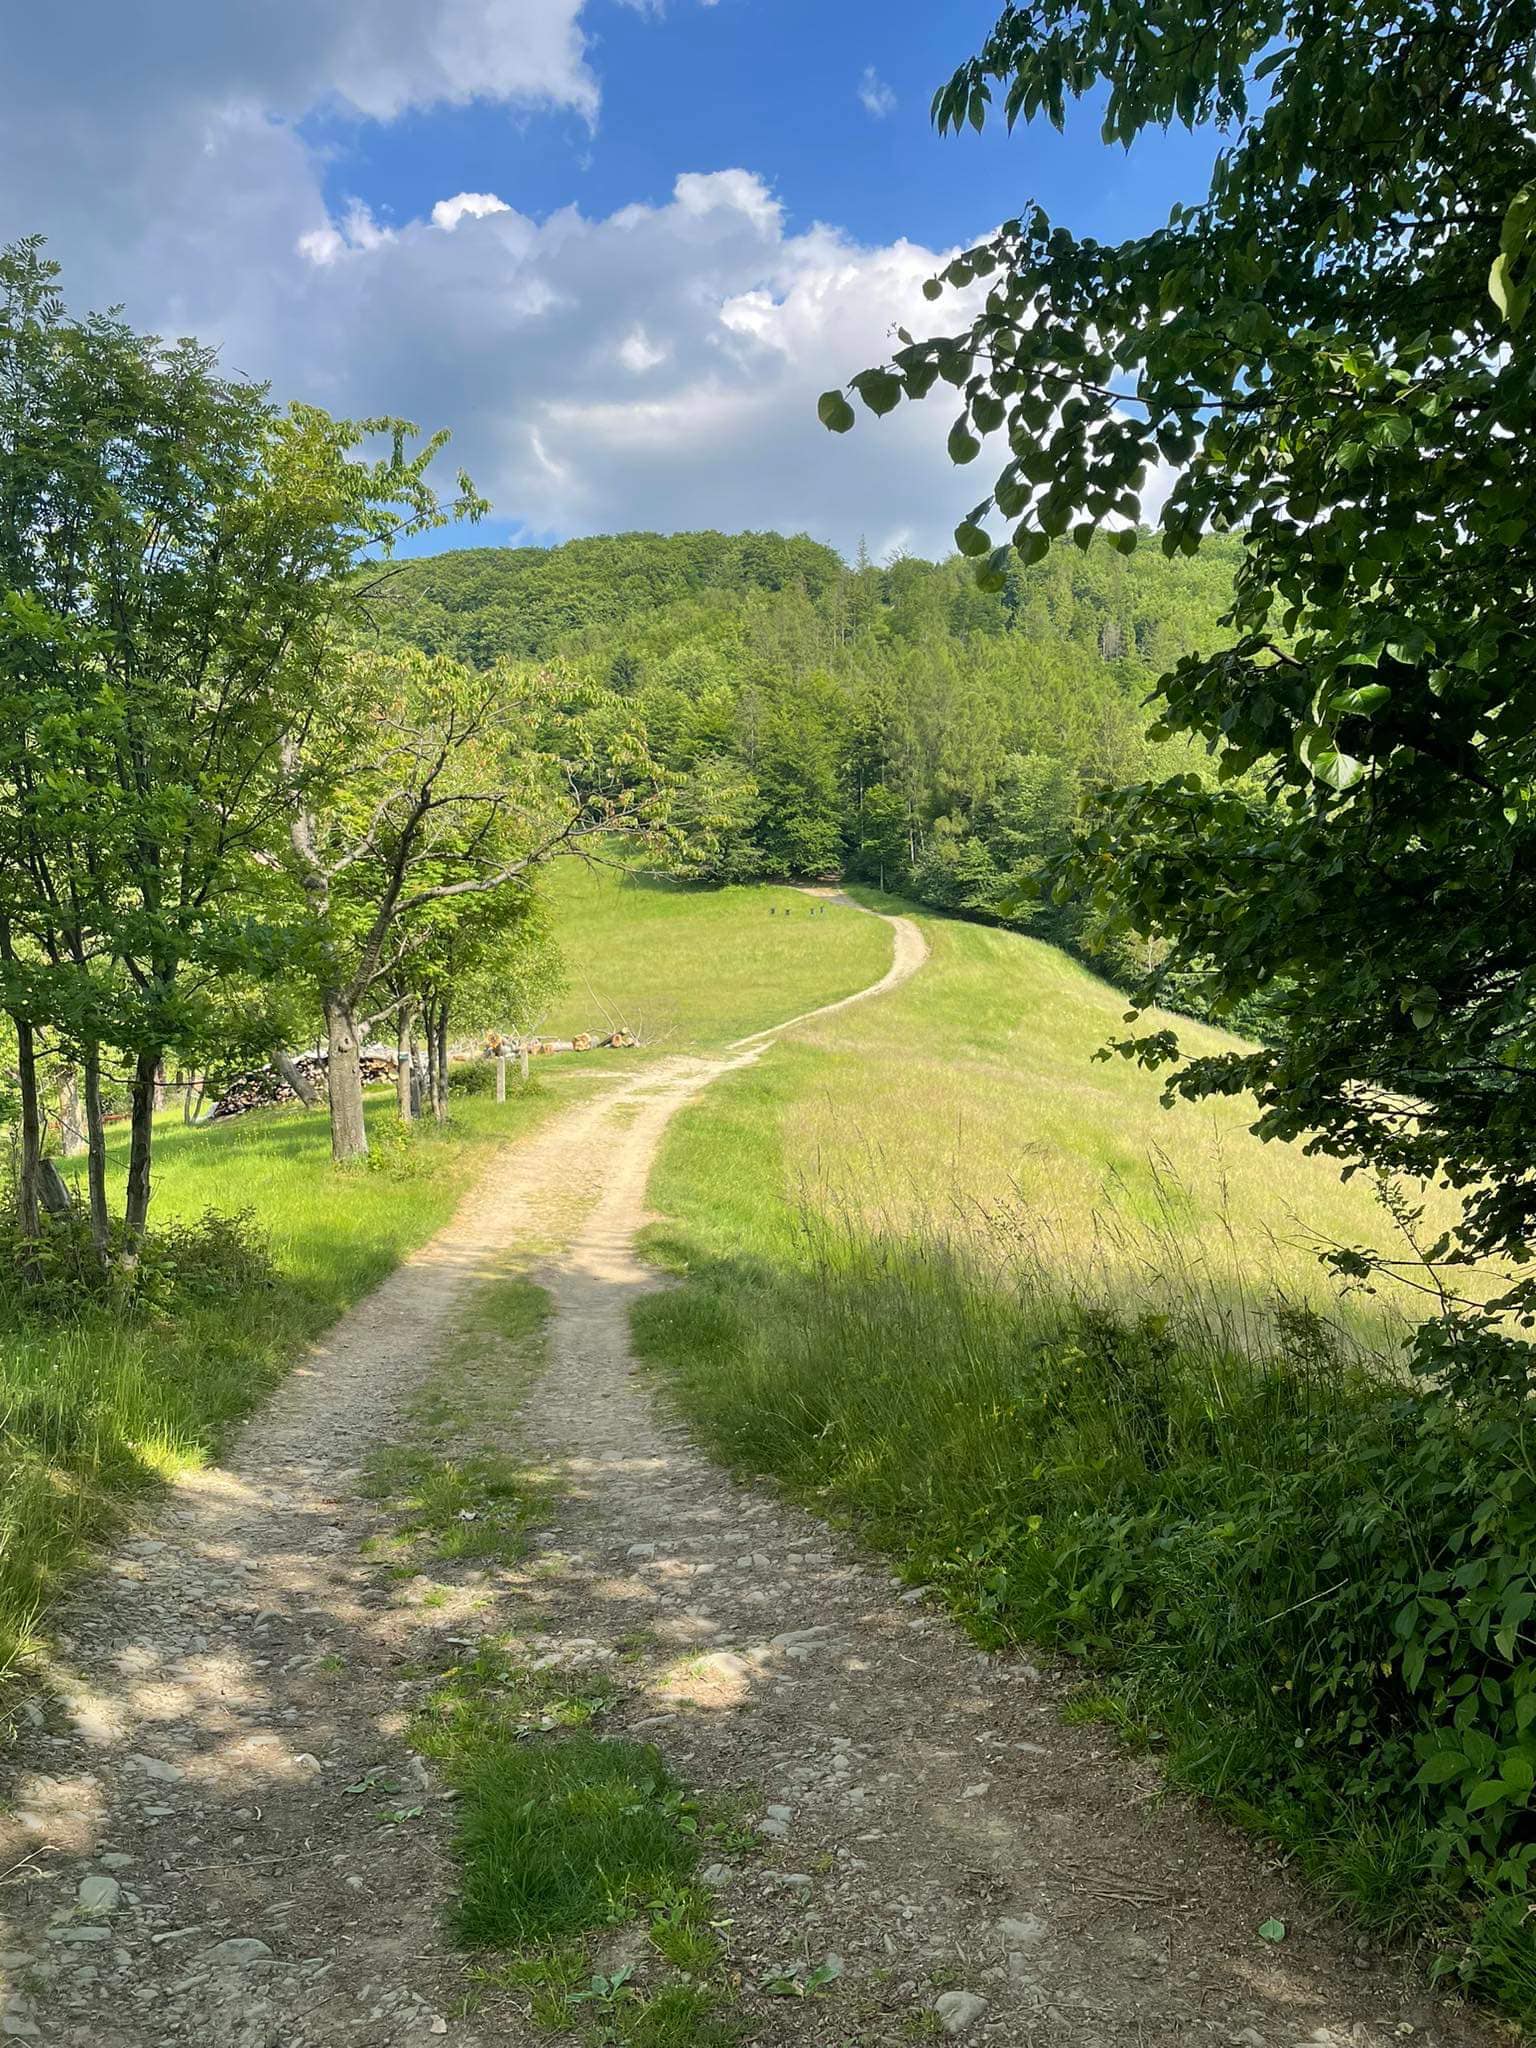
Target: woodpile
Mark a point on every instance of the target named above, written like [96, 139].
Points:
[264, 1088]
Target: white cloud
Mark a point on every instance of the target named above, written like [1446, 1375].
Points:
[875, 96]
[471, 205]
[658, 366]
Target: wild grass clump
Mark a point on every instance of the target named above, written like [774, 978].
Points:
[1307, 1578]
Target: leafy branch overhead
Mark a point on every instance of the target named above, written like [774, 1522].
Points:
[1330, 356]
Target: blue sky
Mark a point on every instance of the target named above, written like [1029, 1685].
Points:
[616, 248]
[779, 87]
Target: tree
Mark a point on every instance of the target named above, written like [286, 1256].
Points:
[173, 553]
[414, 786]
[1333, 354]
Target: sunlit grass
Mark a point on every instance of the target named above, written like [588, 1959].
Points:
[690, 967]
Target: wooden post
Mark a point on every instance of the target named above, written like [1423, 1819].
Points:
[522, 1061]
[501, 1077]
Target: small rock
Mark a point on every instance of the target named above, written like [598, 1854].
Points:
[977, 1791]
[98, 1893]
[76, 1934]
[239, 1952]
[958, 2010]
[114, 1859]
[715, 1874]
[17, 2027]
[1024, 1931]
[775, 1830]
[641, 1550]
[155, 1767]
[305, 1762]
[781, 1812]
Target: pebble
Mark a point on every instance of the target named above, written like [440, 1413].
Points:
[958, 2010]
[1022, 1932]
[114, 1859]
[99, 1893]
[157, 1768]
[239, 1952]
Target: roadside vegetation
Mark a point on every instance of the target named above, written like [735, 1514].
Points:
[105, 1393]
[1070, 1357]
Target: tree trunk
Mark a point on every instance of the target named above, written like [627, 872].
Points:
[404, 1094]
[344, 1083]
[30, 1167]
[71, 1123]
[501, 1077]
[442, 1062]
[141, 1137]
[96, 1153]
[296, 1079]
[429, 1042]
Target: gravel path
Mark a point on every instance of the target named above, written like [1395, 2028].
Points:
[217, 1830]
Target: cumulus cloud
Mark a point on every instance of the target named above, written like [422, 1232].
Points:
[657, 366]
[875, 96]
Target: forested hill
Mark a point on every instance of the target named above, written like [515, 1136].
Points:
[493, 604]
[894, 721]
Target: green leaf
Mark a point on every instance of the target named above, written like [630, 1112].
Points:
[834, 412]
[1272, 1930]
[1491, 1792]
[971, 539]
[1442, 1767]
[963, 445]
[993, 573]
[879, 389]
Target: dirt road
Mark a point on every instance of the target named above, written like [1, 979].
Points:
[219, 1831]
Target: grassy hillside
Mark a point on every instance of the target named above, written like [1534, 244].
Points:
[1010, 1127]
[691, 967]
[1067, 1356]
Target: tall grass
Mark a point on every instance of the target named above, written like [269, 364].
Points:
[104, 1401]
[1226, 1514]
[1071, 1360]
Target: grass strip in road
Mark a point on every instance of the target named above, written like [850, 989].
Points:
[103, 1403]
[562, 1834]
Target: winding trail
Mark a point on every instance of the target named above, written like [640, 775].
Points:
[219, 1833]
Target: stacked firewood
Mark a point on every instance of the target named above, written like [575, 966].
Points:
[264, 1087]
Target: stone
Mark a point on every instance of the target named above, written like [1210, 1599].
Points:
[80, 1934]
[98, 1893]
[716, 1874]
[239, 1952]
[114, 1859]
[157, 1768]
[781, 1812]
[1023, 1931]
[958, 2010]
[775, 1830]
[641, 1550]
